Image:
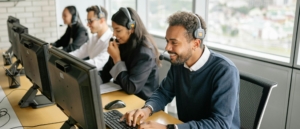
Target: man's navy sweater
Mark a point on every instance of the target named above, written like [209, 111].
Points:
[206, 99]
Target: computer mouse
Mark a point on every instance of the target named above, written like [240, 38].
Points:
[115, 105]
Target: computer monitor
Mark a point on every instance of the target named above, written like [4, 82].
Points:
[10, 22]
[75, 86]
[15, 30]
[34, 54]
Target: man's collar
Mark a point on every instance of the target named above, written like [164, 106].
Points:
[201, 61]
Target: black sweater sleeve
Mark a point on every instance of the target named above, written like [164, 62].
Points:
[134, 79]
[60, 42]
[104, 74]
[79, 37]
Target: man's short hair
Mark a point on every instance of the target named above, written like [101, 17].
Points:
[189, 22]
[96, 10]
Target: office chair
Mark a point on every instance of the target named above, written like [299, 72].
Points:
[166, 64]
[254, 95]
[163, 71]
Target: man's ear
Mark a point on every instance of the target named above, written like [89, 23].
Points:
[197, 43]
[101, 20]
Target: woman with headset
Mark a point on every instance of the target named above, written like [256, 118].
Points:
[76, 34]
[134, 57]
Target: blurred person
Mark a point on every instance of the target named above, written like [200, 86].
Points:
[76, 34]
[95, 50]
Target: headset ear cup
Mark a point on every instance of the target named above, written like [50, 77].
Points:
[202, 34]
[101, 14]
[196, 34]
[74, 19]
[128, 26]
[199, 34]
[131, 25]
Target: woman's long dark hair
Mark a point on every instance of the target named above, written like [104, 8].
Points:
[72, 9]
[137, 38]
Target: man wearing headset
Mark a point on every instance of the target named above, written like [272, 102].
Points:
[96, 48]
[205, 83]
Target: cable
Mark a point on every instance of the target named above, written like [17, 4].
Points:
[2, 115]
[38, 125]
[10, 93]
[4, 112]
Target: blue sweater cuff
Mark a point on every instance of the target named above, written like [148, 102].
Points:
[183, 126]
[154, 106]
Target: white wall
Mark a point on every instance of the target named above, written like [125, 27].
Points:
[38, 15]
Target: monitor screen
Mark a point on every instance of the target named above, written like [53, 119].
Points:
[76, 89]
[10, 22]
[17, 29]
[35, 56]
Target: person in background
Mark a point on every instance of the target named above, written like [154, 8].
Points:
[205, 83]
[96, 48]
[75, 35]
[134, 57]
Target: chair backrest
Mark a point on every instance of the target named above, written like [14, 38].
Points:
[254, 95]
[166, 64]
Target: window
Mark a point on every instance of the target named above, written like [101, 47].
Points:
[298, 60]
[114, 6]
[160, 10]
[259, 26]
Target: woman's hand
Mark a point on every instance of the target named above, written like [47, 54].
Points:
[114, 52]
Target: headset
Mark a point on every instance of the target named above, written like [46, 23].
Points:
[100, 14]
[74, 16]
[199, 33]
[131, 23]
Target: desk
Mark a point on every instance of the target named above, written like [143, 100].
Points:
[29, 116]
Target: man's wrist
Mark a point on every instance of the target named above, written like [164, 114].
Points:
[150, 108]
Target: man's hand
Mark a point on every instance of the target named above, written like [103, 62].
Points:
[136, 117]
[152, 125]
[114, 52]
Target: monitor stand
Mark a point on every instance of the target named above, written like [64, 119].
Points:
[70, 124]
[14, 68]
[15, 83]
[10, 49]
[33, 100]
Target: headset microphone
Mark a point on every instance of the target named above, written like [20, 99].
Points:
[161, 56]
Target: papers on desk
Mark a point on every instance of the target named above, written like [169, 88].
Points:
[9, 120]
[109, 87]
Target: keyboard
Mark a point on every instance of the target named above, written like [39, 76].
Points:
[112, 120]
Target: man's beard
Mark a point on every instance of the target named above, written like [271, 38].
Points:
[181, 59]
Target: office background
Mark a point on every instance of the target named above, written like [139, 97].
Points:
[260, 37]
